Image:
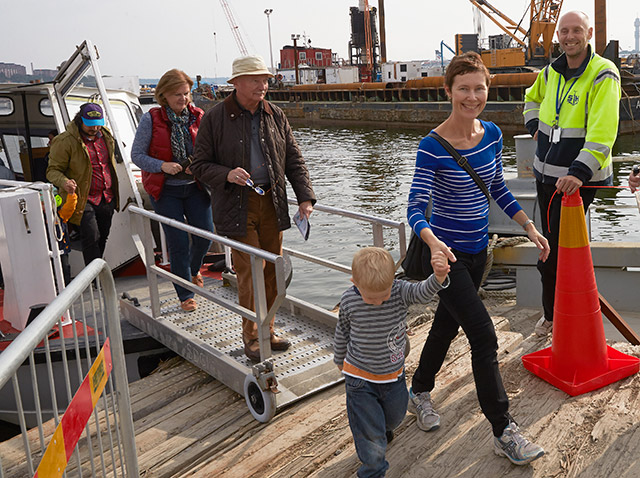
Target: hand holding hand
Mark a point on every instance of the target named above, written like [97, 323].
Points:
[440, 266]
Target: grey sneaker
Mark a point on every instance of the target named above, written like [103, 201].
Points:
[421, 406]
[543, 327]
[515, 447]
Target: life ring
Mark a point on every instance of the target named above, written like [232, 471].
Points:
[279, 77]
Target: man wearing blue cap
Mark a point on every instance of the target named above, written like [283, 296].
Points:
[81, 161]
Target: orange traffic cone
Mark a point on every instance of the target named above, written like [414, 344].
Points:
[579, 359]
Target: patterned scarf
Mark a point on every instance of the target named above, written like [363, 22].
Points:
[179, 132]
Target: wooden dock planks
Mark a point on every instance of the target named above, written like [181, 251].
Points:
[189, 425]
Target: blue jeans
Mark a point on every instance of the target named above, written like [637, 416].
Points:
[373, 409]
[192, 203]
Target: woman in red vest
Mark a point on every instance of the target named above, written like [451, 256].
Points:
[162, 149]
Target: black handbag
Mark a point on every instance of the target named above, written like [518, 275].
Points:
[418, 253]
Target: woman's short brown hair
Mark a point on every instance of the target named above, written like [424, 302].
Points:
[468, 62]
[169, 82]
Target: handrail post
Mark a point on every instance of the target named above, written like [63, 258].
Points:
[378, 235]
[119, 371]
[260, 303]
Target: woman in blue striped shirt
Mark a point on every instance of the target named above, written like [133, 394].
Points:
[458, 226]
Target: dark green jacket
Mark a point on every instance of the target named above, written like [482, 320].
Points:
[69, 159]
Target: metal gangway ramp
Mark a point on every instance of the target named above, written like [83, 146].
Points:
[211, 338]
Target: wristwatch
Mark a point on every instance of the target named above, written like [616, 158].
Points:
[526, 223]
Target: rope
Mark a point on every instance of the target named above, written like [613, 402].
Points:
[590, 187]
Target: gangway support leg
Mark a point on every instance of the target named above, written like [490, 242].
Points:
[618, 322]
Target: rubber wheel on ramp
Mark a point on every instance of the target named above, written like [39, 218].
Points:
[261, 403]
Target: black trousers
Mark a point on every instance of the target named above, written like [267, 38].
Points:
[460, 306]
[94, 228]
[551, 230]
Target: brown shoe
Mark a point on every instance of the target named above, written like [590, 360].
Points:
[197, 280]
[279, 343]
[252, 350]
[189, 305]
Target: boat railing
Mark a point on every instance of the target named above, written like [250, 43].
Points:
[377, 226]
[83, 371]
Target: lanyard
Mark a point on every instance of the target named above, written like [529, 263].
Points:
[558, 94]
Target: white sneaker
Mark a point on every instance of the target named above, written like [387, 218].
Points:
[515, 447]
[421, 406]
[543, 327]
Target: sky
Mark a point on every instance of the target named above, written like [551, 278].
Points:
[145, 39]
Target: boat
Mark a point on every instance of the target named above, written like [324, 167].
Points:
[31, 264]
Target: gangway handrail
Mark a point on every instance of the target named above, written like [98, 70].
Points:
[22, 347]
[261, 316]
[377, 224]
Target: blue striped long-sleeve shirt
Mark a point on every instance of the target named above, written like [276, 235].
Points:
[460, 210]
[369, 339]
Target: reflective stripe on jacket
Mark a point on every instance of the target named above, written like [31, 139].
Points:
[588, 119]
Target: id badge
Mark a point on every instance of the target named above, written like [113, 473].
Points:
[555, 134]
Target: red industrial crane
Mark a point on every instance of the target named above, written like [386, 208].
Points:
[235, 30]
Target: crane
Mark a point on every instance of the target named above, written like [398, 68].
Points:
[537, 41]
[367, 36]
[235, 30]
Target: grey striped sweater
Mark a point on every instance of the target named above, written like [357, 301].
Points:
[369, 339]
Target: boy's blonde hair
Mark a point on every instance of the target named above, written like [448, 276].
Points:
[373, 269]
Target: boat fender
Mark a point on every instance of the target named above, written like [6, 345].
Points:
[69, 206]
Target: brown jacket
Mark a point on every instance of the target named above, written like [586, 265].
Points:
[223, 143]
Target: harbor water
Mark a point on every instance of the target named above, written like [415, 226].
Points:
[370, 170]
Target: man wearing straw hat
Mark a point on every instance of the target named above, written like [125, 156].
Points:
[244, 151]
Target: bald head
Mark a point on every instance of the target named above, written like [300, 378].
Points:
[574, 16]
[574, 34]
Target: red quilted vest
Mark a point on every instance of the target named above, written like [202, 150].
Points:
[160, 147]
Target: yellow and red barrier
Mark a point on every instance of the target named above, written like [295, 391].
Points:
[74, 420]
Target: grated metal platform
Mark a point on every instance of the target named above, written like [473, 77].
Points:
[211, 338]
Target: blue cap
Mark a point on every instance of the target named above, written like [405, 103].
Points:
[92, 115]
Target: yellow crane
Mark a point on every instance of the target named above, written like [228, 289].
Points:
[534, 44]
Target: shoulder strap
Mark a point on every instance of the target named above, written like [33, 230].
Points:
[462, 161]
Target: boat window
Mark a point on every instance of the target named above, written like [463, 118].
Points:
[15, 151]
[6, 106]
[45, 107]
[13, 144]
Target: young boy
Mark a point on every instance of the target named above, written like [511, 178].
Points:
[369, 348]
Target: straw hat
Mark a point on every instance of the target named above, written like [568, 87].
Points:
[248, 65]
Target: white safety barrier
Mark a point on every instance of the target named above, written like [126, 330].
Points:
[71, 386]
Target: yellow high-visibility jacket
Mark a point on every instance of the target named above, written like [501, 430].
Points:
[588, 103]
